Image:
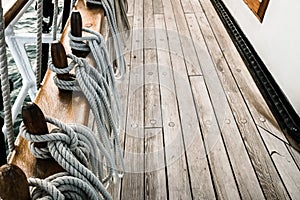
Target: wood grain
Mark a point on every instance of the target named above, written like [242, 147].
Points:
[234, 143]
[133, 182]
[284, 163]
[263, 165]
[178, 182]
[155, 175]
[200, 178]
[152, 93]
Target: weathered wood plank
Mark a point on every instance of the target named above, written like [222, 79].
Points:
[133, 182]
[72, 106]
[222, 174]
[295, 154]
[187, 6]
[265, 170]
[155, 174]
[200, 179]
[157, 7]
[188, 53]
[149, 34]
[257, 105]
[152, 93]
[247, 182]
[284, 163]
[178, 181]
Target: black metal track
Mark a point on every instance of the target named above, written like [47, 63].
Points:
[281, 108]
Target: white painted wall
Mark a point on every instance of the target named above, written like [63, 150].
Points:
[276, 40]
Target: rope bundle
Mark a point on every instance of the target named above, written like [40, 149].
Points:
[99, 87]
[78, 151]
[61, 186]
[112, 23]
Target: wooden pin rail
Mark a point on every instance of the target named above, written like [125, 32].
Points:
[65, 106]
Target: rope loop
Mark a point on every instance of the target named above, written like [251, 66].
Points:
[61, 186]
[79, 152]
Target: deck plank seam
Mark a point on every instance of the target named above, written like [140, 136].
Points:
[259, 134]
[232, 111]
[156, 71]
[176, 99]
[223, 140]
[172, 3]
[125, 110]
[178, 103]
[247, 150]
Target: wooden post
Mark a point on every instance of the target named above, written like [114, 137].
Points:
[76, 30]
[13, 183]
[59, 59]
[34, 120]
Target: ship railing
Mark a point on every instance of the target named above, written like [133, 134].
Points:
[16, 42]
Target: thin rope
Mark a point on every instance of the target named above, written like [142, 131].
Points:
[75, 148]
[39, 42]
[5, 86]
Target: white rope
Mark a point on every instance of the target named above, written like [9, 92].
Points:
[78, 151]
[39, 42]
[102, 97]
[61, 186]
[5, 86]
[55, 16]
[110, 15]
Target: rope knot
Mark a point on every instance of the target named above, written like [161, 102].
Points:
[64, 134]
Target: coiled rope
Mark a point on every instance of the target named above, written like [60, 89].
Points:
[75, 148]
[5, 86]
[110, 15]
[99, 87]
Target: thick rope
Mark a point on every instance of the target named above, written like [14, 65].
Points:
[78, 151]
[39, 42]
[104, 103]
[98, 85]
[62, 186]
[110, 15]
[5, 86]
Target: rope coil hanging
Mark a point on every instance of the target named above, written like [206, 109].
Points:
[102, 97]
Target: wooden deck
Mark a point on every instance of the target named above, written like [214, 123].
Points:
[195, 125]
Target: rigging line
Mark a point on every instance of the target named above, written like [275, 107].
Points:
[39, 42]
[5, 86]
[54, 25]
